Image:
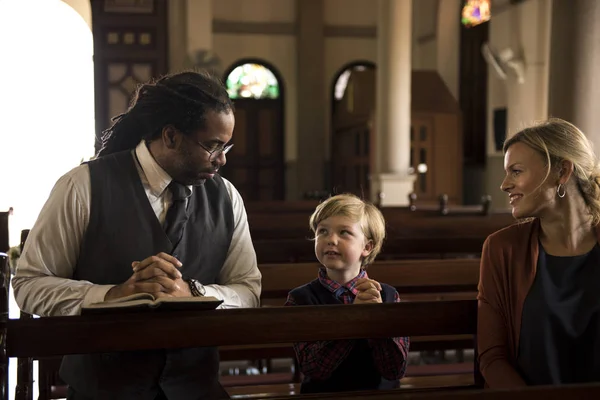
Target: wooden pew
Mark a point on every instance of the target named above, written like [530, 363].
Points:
[398, 224]
[407, 276]
[415, 280]
[104, 333]
[83, 334]
[579, 392]
[4, 240]
[302, 250]
[306, 207]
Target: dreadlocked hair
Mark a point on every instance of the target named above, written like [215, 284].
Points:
[180, 100]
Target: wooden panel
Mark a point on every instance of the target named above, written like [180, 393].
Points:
[259, 134]
[4, 239]
[240, 133]
[118, 332]
[582, 392]
[423, 137]
[139, 44]
[268, 136]
[447, 150]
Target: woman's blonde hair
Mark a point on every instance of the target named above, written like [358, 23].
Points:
[558, 140]
[348, 205]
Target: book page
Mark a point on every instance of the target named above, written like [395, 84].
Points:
[145, 302]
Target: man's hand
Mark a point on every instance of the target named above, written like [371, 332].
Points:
[158, 275]
[369, 291]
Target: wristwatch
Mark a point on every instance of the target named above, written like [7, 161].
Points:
[196, 287]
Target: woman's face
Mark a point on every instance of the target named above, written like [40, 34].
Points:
[531, 195]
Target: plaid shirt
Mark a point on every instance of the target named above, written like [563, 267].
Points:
[318, 360]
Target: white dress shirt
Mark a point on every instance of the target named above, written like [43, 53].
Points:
[43, 283]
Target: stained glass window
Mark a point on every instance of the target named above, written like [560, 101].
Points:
[475, 12]
[252, 81]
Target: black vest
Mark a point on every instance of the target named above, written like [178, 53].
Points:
[123, 228]
[357, 371]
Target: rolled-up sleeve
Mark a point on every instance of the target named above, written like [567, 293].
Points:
[42, 283]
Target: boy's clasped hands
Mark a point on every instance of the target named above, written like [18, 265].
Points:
[369, 291]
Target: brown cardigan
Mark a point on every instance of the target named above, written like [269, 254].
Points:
[508, 267]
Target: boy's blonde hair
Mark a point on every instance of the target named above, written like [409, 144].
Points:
[557, 140]
[348, 205]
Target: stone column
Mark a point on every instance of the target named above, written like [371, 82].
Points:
[574, 84]
[391, 183]
[310, 64]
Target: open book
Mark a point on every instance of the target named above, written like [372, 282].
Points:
[145, 301]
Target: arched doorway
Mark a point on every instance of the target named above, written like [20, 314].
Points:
[256, 164]
[352, 108]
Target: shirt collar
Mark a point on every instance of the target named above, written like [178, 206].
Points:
[158, 179]
[334, 287]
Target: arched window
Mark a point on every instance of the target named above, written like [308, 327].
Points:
[252, 81]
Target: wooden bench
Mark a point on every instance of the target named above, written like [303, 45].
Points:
[580, 392]
[89, 334]
[302, 250]
[399, 225]
[103, 333]
[407, 276]
[442, 207]
[415, 280]
[4, 240]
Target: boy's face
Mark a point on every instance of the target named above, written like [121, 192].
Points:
[340, 244]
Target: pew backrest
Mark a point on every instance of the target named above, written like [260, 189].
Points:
[407, 276]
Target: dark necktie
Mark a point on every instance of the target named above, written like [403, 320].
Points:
[176, 215]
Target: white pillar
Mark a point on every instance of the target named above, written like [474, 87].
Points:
[574, 84]
[391, 179]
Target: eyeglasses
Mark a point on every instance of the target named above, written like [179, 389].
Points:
[216, 151]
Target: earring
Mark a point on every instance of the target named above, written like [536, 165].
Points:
[564, 192]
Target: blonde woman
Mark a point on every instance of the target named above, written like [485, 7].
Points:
[539, 302]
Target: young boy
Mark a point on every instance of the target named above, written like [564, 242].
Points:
[349, 233]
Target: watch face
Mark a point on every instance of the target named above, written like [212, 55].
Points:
[199, 287]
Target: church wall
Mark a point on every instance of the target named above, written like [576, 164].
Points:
[448, 43]
[524, 26]
[83, 7]
[255, 10]
[350, 12]
[424, 34]
[268, 31]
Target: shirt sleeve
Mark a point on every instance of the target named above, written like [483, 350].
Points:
[318, 360]
[43, 283]
[239, 282]
[390, 354]
[492, 333]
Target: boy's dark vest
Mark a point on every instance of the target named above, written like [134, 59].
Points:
[357, 371]
[123, 228]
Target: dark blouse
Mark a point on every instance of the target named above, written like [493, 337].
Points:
[560, 330]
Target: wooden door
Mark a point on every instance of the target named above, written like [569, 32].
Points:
[421, 157]
[255, 165]
[350, 154]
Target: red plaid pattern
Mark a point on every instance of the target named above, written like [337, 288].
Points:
[319, 359]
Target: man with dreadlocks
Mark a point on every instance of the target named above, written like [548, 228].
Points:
[149, 214]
